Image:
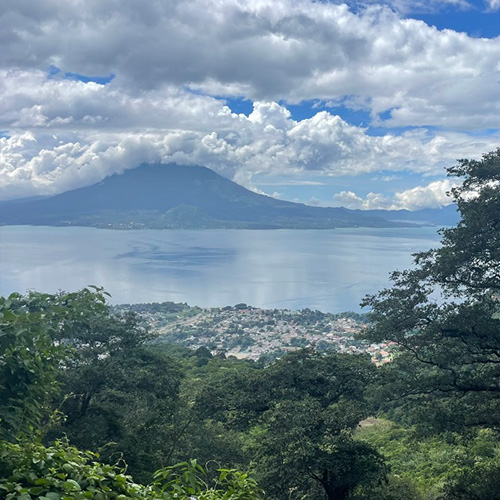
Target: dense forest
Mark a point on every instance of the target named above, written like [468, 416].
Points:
[92, 408]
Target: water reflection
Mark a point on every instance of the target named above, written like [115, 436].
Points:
[330, 270]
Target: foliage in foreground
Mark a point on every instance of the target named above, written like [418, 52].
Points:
[62, 472]
[29, 362]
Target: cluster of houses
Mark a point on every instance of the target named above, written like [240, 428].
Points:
[250, 333]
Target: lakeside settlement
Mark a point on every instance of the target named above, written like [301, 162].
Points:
[248, 332]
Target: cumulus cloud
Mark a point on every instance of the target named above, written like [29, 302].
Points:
[176, 60]
[433, 195]
[267, 50]
[35, 164]
[62, 151]
[348, 199]
[30, 100]
[372, 201]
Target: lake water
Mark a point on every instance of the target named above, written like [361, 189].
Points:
[330, 270]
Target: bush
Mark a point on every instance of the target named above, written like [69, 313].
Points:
[62, 472]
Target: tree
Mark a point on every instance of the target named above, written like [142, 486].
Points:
[67, 354]
[117, 395]
[52, 341]
[29, 362]
[125, 404]
[395, 488]
[481, 482]
[69, 341]
[33, 471]
[444, 312]
[298, 417]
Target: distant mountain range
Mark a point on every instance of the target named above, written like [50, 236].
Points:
[188, 197]
[445, 216]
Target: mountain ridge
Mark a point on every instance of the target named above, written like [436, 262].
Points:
[444, 216]
[171, 196]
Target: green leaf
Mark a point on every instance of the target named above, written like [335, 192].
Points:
[71, 485]
[52, 496]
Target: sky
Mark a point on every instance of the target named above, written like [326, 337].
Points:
[358, 104]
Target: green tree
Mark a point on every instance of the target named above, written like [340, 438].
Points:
[480, 482]
[298, 417]
[33, 471]
[122, 390]
[117, 395]
[29, 362]
[68, 352]
[395, 488]
[444, 313]
[125, 404]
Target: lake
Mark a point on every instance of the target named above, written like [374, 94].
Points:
[330, 270]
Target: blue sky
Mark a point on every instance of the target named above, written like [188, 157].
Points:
[477, 20]
[360, 104]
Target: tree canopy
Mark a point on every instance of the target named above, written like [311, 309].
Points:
[444, 312]
[300, 414]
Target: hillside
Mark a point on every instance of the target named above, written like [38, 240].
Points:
[177, 197]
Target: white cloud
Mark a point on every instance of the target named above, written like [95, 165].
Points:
[65, 134]
[412, 6]
[41, 162]
[167, 54]
[30, 100]
[433, 195]
[265, 50]
[493, 4]
[348, 199]
[372, 201]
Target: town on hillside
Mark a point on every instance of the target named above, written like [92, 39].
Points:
[248, 332]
